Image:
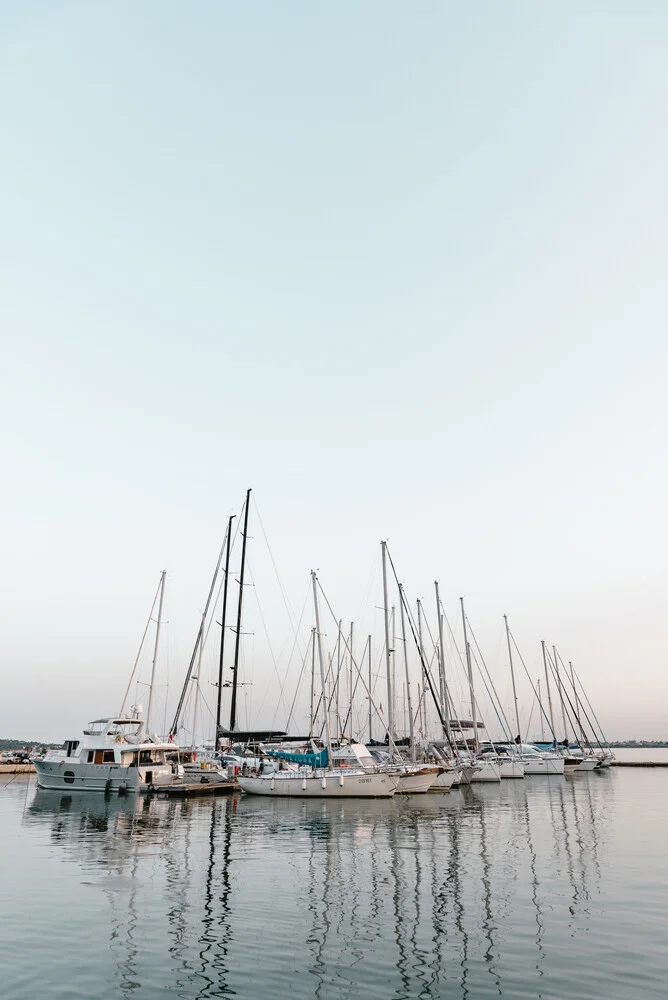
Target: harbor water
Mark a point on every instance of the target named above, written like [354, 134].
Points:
[543, 888]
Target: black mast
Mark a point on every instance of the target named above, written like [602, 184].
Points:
[222, 633]
[235, 668]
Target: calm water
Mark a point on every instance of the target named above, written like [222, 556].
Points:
[553, 888]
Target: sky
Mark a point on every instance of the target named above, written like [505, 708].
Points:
[398, 268]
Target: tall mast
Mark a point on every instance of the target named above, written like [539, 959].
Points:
[237, 642]
[470, 673]
[549, 693]
[321, 659]
[408, 682]
[310, 732]
[370, 696]
[350, 706]
[441, 664]
[542, 714]
[561, 694]
[223, 622]
[512, 677]
[388, 652]
[424, 687]
[155, 651]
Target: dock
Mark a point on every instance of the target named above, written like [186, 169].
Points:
[17, 768]
[639, 763]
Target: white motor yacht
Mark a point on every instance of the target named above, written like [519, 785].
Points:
[111, 755]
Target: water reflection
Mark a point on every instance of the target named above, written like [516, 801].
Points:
[430, 897]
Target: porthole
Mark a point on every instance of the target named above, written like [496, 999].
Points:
[68, 777]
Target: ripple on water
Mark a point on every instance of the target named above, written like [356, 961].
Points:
[542, 888]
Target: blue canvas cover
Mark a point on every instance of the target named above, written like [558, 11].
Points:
[308, 759]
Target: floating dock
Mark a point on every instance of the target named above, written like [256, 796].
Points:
[639, 763]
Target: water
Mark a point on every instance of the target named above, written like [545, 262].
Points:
[552, 888]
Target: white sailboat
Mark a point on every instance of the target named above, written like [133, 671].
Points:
[313, 775]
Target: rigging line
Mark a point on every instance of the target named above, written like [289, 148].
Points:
[559, 682]
[348, 717]
[540, 704]
[281, 681]
[294, 700]
[354, 661]
[505, 727]
[199, 638]
[294, 645]
[427, 674]
[141, 646]
[577, 677]
[492, 700]
[278, 578]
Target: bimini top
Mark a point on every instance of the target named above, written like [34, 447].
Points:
[111, 727]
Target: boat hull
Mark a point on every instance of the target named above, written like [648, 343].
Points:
[487, 770]
[330, 786]
[544, 766]
[77, 777]
[588, 764]
[418, 782]
[445, 780]
[512, 769]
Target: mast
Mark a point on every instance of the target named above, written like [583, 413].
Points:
[561, 694]
[388, 654]
[310, 732]
[441, 664]
[370, 697]
[325, 702]
[155, 650]
[512, 677]
[421, 650]
[237, 642]
[542, 714]
[408, 682]
[222, 632]
[470, 673]
[350, 707]
[549, 693]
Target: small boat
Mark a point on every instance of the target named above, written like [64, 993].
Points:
[112, 754]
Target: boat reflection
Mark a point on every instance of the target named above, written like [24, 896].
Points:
[430, 896]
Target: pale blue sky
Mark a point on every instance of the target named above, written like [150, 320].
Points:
[401, 268]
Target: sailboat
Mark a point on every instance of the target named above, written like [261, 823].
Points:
[314, 774]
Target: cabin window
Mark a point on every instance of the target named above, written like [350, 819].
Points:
[91, 755]
[108, 757]
[145, 757]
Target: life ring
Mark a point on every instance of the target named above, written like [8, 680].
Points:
[119, 738]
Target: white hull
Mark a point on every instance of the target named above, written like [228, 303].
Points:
[588, 764]
[487, 770]
[512, 769]
[75, 777]
[544, 765]
[445, 780]
[417, 783]
[324, 786]
[467, 771]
